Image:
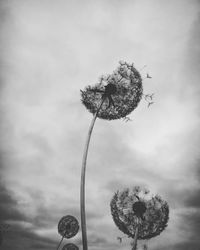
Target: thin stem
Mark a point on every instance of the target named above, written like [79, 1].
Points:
[60, 243]
[83, 171]
[136, 236]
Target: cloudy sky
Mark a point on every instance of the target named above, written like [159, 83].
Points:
[52, 49]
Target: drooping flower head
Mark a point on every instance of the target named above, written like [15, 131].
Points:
[120, 92]
[130, 206]
[68, 226]
[70, 246]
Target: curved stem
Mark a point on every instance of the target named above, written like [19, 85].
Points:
[83, 171]
[60, 243]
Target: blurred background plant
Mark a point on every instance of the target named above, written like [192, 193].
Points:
[68, 227]
[138, 214]
[70, 246]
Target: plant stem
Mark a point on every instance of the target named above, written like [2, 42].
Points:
[136, 236]
[60, 243]
[83, 171]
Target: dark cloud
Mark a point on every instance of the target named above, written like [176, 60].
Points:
[193, 199]
[180, 195]
[49, 217]
[16, 236]
[180, 246]
[189, 226]
[192, 220]
[24, 239]
[8, 207]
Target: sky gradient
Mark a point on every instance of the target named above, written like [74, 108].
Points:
[52, 49]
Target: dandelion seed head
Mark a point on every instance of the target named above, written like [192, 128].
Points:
[154, 210]
[129, 91]
[68, 226]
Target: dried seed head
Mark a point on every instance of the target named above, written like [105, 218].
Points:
[129, 205]
[123, 89]
[68, 226]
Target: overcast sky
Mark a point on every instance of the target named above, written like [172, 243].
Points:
[52, 49]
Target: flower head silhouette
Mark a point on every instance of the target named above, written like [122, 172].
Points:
[120, 92]
[70, 246]
[135, 212]
[68, 226]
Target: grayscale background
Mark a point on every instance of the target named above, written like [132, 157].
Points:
[49, 50]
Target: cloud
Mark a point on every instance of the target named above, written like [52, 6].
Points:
[8, 207]
[16, 228]
[181, 246]
[26, 240]
[192, 63]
